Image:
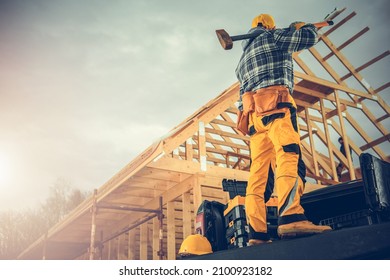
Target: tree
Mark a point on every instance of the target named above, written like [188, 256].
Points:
[19, 229]
[10, 244]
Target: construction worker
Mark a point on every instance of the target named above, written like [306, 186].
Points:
[341, 166]
[268, 114]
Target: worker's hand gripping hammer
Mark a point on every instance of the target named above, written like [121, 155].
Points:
[226, 40]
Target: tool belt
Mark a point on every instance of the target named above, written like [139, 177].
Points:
[265, 101]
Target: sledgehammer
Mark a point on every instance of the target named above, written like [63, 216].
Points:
[227, 41]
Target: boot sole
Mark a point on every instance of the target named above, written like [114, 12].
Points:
[287, 235]
[295, 235]
[258, 244]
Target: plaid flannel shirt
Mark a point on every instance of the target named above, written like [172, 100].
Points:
[267, 59]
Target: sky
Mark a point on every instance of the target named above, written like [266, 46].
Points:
[86, 86]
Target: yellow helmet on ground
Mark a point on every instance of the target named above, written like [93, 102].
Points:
[266, 20]
[195, 244]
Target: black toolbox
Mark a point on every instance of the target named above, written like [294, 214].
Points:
[354, 203]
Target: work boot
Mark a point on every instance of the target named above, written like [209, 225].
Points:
[301, 228]
[254, 242]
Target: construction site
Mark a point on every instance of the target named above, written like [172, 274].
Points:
[147, 209]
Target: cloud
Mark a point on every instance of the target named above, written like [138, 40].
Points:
[85, 86]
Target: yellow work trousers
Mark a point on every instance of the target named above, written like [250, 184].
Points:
[274, 141]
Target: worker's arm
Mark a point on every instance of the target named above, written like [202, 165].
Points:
[292, 40]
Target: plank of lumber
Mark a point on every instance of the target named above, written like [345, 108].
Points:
[334, 112]
[171, 231]
[372, 61]
[376, 142]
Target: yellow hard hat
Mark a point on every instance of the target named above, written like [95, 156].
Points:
[195, 244]
[266, 20]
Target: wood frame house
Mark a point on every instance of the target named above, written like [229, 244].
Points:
[147, 209]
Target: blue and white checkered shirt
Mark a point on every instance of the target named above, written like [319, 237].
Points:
[267, 59]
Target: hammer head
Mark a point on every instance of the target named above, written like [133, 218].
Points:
[224, 39]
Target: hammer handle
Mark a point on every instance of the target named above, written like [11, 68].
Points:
[243, 36]
[252, 35]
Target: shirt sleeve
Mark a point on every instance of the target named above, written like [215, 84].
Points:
[239, 105]
[291, 40]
